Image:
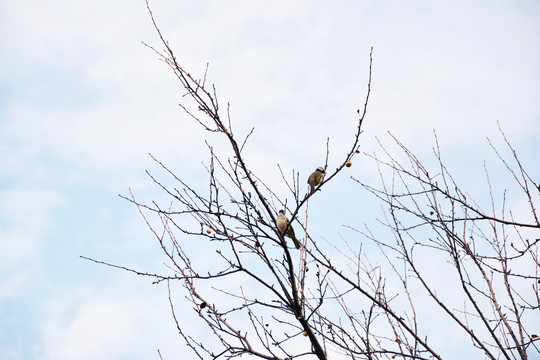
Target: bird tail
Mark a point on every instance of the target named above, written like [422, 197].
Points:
[296, 242]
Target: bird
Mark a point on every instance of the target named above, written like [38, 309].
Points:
[283, 223]
[316, 178]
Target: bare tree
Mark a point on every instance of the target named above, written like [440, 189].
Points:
[258, 297]
[491, 255]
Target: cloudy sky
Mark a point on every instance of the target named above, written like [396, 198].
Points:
[83, 102]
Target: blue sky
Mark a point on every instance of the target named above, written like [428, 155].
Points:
[83, 101]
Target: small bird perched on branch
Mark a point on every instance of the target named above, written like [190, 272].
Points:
[316, 178]
[283, 223]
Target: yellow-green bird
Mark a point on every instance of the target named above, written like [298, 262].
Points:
[316, 178]
[282, 222]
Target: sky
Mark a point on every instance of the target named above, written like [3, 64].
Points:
[83, 102]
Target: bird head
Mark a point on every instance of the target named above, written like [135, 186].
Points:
[320, 169]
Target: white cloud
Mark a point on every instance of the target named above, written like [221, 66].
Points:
[16, 246]
[96, 330]
[126, 322]
[25, 216]
[29, 208]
